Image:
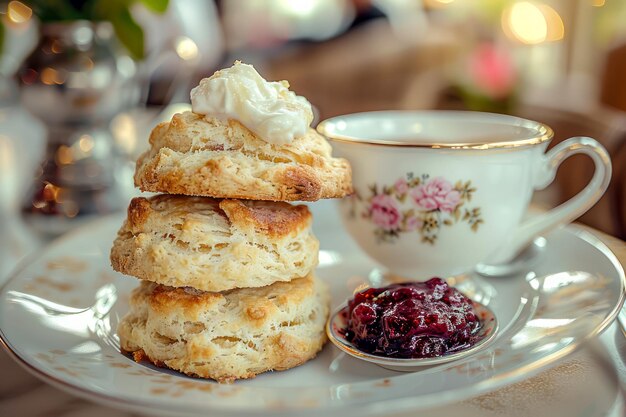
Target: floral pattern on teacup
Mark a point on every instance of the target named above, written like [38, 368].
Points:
[418, 204]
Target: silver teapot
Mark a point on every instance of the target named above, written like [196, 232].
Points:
[76, 80]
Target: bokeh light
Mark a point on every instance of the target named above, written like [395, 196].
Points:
[300, 8]
[186, 48]
[18, 12]
[532, 23]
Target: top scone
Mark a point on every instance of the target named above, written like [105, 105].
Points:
[206, 156]
[245, 138]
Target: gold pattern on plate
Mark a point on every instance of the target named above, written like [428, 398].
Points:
[175, 386]
[140, 372]
[176, 389]
[46, 281]
[120, 365]
[44, 357]
[67, 263]
[158, 391]
[384, 383]
[230, 392]
[67, 371]
[193, 385]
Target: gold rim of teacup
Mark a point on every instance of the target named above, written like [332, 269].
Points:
[544, 134]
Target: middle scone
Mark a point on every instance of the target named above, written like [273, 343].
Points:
[214, 245]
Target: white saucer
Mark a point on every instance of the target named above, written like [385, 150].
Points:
[59, 313]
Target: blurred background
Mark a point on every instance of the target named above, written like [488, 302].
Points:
[82, 82]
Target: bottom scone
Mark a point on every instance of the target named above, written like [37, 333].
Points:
[230, 335]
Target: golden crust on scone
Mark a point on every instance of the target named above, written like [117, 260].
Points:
[230, 335]
[205, 156]
[214, 245]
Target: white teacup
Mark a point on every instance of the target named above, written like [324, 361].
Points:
[438, 192]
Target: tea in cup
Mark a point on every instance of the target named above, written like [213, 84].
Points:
[438, 192]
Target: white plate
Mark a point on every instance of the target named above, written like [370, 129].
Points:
[59, 313]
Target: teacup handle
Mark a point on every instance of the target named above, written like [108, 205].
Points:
[572, 208]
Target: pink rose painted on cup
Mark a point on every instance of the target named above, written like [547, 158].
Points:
[436, 194]
[401, 186]
[385, 212]
[413, 224]
[434, 204]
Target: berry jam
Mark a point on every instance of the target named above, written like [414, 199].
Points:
[412, 320]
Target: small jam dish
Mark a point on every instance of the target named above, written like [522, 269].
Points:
[338, 321]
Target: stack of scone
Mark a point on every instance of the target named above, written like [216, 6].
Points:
[227, 265]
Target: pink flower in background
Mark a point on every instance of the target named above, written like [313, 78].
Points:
[385, 212]
[492, 71]
[401, 186]
[436, 194]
